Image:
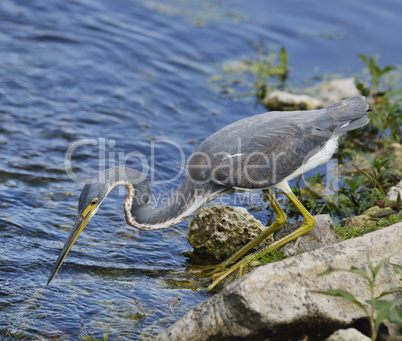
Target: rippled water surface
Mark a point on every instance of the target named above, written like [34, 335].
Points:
[128, 75]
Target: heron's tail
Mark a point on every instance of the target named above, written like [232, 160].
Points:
[349, 114]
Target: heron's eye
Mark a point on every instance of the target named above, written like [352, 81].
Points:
[94, 202]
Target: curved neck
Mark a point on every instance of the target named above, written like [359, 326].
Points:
[139, 214]
[177, 207]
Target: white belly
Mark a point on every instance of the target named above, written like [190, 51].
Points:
[323, 156]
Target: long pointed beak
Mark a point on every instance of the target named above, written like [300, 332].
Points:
[75, 232]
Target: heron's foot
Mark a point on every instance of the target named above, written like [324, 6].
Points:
[240, 266]
[309, 223]
[219, 277]
[209, 270]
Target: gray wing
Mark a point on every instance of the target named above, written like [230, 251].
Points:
[262, 150]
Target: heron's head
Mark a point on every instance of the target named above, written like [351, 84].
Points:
[93, 195]
[90, 199]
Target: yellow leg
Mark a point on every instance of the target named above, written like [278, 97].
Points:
[280, 220]
[309, 223]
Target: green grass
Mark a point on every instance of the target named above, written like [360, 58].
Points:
[384, 222]
[346, 232]
[273, 256]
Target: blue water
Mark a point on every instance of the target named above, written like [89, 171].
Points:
[129, 75]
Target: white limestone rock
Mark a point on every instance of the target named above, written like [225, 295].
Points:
[393, 192]
[336, 90]
[350, 334]
[281, 100]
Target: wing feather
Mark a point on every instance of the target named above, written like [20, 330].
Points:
[262, 150]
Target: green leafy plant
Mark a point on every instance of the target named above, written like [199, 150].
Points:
[347, 201]
[378, 176]
[377, 311]
[376, 72]
[388, 117]
[352, 190]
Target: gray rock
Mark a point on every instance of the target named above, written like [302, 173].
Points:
[222, 230]
[321, 235]
[393, 332]
[276, 301]
[393, 192]
[350, 334]
[281, 100]
[336, 90]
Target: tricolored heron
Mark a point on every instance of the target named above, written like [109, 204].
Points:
[257, 152]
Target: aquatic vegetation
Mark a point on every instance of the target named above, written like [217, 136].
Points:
[91, 338]
[377, 310]
[267, 67]
[255, 76]
[143, 313]
[198, 13]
